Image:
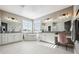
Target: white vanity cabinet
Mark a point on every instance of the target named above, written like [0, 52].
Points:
[11, 37]
[30, 36]
[48, 37]
[14, 37]
[18, 37]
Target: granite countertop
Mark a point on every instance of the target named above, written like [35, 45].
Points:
[52, 32]
[12, 32]
[56, 32]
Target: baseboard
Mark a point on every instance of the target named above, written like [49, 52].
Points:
[30, 40]
[11, 43]
[46, 42]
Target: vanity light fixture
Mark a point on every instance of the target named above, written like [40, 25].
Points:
[48, 20]
[64, 15]
[11, 19]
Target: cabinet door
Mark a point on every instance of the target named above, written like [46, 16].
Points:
[4, 38]
[18, 37]
[50, 37]
[43, 37]
[10, 38]
[14, 37]
[31, 37]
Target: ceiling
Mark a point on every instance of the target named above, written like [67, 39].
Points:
[32, 11]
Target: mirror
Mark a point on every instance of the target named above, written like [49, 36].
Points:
[10, 22]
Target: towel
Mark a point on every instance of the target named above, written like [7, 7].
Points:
[62, 38]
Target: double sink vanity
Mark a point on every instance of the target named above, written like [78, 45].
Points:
[51, 30]
[11, 28]
[50, 37]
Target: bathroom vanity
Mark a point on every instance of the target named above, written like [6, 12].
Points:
[10, 28]
[10, 38]
[47, 37]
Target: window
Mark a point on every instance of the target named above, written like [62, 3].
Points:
[27, 26]
[37, 25]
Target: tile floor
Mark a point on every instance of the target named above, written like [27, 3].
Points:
[32, 47]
